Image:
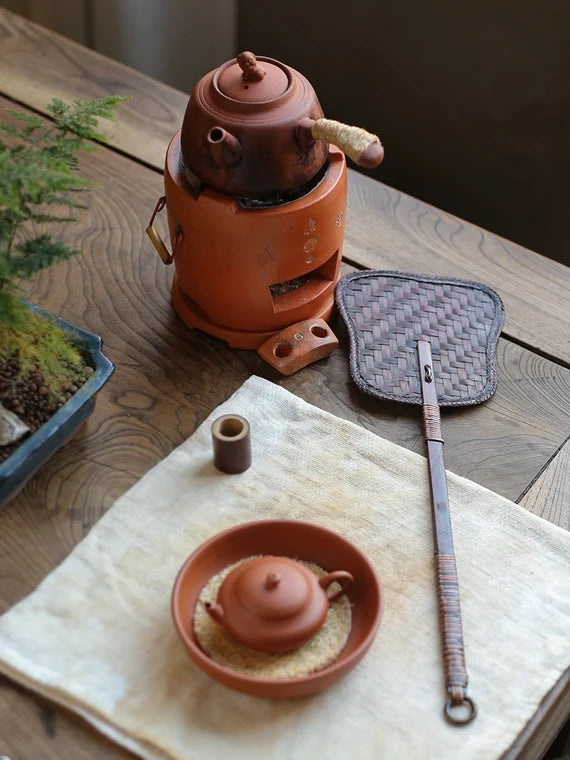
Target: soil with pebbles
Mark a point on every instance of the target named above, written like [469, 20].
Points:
[28, 396]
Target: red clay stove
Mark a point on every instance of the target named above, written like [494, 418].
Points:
[255, 192]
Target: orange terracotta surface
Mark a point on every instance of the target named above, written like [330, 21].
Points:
[298, 345]
[274, 604]
[297, 540]
[240, 134]
[227, 257]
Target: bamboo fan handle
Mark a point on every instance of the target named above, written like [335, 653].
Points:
[446, 571]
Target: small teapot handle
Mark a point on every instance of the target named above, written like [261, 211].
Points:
[341, 576]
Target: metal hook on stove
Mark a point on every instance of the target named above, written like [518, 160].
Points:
[154, 236]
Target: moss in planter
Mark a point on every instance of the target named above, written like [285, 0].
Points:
[39, 369]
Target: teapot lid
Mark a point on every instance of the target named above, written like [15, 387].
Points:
[253, 80]
[272, 587]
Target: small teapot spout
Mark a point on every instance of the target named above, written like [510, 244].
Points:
[225, 149]
[216, 611]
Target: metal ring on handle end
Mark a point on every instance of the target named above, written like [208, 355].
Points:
[456, 720]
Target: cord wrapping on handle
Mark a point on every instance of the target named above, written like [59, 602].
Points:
[432, 423]
[354, 141]
[450, 620]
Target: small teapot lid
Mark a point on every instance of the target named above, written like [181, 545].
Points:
[274, 604]
[272, 588]
[252, 80]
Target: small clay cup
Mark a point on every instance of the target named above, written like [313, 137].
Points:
[297, 540]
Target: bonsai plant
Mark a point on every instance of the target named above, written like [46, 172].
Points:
[41, 366]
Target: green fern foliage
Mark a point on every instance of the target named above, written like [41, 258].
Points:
[39, 253]
[38, 171]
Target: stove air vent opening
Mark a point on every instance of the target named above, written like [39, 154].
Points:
[298, 291]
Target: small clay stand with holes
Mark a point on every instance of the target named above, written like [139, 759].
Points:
[298, 345]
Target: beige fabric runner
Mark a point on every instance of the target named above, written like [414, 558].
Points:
[97, 634]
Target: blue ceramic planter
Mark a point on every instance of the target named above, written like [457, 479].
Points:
[41, 445]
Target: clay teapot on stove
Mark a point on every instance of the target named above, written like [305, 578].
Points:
[255, 193]
[275, 604]
[254, 128]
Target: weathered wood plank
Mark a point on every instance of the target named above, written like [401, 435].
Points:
[386, 229]
[545, 725]
[549, 495]
[37, 65]
[169, 378]
[32, 728]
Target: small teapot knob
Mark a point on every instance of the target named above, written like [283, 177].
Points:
[252, 72]
[272, 581]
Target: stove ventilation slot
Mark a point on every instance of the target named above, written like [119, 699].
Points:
[298, 291]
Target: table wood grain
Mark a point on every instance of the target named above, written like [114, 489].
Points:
[386, 229]
[169, 378]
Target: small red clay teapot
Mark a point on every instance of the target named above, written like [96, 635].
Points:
[275, 604]
[254, 128]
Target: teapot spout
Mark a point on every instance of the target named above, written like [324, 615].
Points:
[225, 149]
[216, 611]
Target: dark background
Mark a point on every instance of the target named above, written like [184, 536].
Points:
[471, 99]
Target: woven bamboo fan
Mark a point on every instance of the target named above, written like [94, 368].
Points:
[430, 341]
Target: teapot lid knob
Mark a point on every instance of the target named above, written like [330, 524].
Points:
[244, 80]
[248, 63]
[272, 580]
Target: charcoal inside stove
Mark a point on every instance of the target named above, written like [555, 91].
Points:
[280, 288]
[278, 199]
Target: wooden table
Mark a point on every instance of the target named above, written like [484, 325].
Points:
[168, 378]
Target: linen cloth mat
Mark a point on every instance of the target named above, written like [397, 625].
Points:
[97, 634]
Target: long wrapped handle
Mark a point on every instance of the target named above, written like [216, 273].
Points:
[446, 571]
[364, 148]
[452, 634]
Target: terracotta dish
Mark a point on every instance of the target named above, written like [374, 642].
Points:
[296, 540]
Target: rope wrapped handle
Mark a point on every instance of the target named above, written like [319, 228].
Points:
[364, 148]
[452, 638]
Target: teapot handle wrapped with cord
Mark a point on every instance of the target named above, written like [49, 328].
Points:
[364, 148]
